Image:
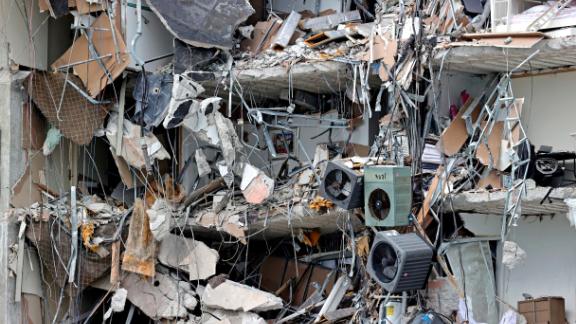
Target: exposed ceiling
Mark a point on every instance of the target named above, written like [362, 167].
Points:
[534, 203]
[554, 53]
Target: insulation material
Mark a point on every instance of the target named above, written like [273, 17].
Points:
[215, 21]
[140, 255]
[512, 255]
[52, 140]
[111, 60]
[65, 107]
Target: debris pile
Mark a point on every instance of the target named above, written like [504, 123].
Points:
[281, 166]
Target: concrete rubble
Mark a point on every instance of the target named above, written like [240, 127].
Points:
[230, 295]
[282, 161]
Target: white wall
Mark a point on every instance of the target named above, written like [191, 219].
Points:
[452, 83]
[549, 111]
[550, 266]
[155, 41]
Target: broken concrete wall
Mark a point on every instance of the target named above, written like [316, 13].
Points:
[11, 159]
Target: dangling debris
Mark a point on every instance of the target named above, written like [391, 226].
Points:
[140, 247]
[215, 21]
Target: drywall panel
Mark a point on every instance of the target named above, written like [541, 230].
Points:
[549, 267]
[26, 31]
[549, 113]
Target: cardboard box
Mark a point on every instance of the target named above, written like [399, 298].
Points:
[548, 310]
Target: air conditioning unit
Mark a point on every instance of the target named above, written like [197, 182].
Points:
[400, 262]
[387, 195]
[342, 185]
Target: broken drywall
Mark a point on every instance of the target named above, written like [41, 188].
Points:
[233, 296]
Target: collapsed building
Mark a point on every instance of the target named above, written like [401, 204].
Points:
[325, 161]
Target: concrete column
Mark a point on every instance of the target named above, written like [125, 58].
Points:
[10, 112]
[9, 310]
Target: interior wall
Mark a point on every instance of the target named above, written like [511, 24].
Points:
[549, 269]
[156, 41]
[25, 48]
[453, 83]
[262, 158]
[548, 113]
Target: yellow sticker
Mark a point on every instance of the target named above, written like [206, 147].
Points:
[389, 310]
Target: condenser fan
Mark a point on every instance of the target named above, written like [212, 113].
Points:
[338, 185]
[385, 261]
[388, 195]
[342, 185]
[379, 204]
[399, 262]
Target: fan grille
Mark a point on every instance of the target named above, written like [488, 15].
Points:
[385, 262]
[379, 204]
[338, 185]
